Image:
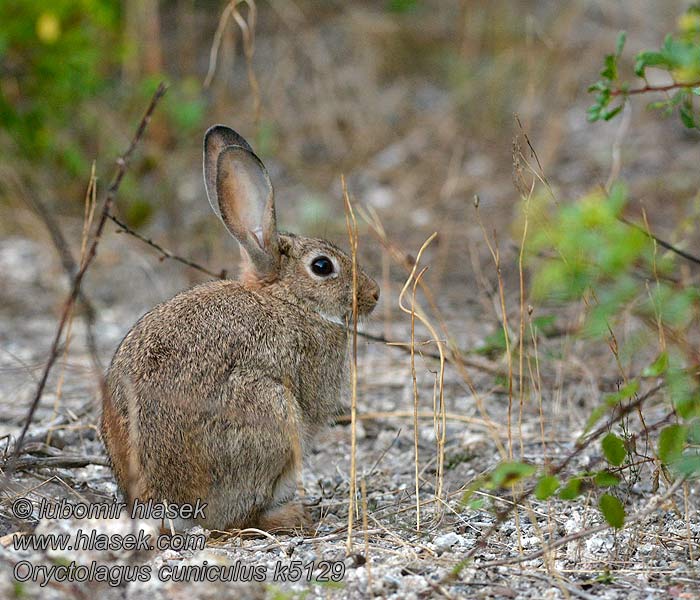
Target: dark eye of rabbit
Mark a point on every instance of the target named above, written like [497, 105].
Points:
[322, 265]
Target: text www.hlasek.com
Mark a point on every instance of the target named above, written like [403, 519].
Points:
[92, 540]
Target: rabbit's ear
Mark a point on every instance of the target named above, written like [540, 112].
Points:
[216, 139]
[245, 197]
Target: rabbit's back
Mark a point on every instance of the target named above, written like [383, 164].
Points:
[195, 342]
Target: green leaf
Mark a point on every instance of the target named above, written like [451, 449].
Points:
[508, 473]
[594, 417]
[658, 367]
[658, 105]
[402, 6]
[684, 393]
[620, 42]
[598, 86]
[649, 59]
[612, 510]
[688, 465]
[671, 441]
[494, 343]
[593, 113]
[687, 117]
[606, 479]
[694, 432]
[610, 67]
[609, 114]
[545, 324]
[605, 577]
[614, 449]
[472, 488]
[626, 392]
[546, 486]
[476, 504]
[571, 490]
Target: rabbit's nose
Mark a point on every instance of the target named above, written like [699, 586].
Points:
[375, 294]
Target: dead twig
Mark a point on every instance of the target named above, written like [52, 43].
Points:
[682, 253]
[406, 347]
[165, 253]
[122, 165]
[27, 463]
[653, 504]
[502, 515]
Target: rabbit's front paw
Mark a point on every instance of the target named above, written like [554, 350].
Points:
[289, 516]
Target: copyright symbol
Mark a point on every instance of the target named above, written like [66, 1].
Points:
[22, 508]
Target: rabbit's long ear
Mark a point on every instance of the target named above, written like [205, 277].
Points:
[246, 200]
[216, 139]
[239, 190]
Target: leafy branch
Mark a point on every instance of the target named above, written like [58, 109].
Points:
[679, 56]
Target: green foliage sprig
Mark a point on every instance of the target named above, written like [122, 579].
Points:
[679, 56]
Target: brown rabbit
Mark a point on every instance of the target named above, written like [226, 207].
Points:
[214, 394]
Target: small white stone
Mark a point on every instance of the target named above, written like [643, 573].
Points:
[444, 542]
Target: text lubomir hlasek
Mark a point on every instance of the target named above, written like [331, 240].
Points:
[113, 510]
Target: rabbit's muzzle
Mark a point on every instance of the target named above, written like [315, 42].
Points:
[368, 295]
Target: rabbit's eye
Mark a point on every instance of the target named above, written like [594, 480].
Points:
[322, 266]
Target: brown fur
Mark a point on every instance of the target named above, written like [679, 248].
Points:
[214, 394]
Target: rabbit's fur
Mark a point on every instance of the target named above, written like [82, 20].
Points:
[214, 394]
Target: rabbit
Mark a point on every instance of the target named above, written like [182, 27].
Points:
[215, 394]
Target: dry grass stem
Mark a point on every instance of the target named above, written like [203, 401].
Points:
[351, 224]
[439, 407]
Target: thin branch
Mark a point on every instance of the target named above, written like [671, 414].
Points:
[37, 205]
[654, 503]
[501, 516]
[406, 347]
[653, 88]
[27, 463]
[122, 165]
[163, 251]
[663, 243]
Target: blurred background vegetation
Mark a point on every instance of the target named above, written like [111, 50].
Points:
[421, 104]
[405, 95]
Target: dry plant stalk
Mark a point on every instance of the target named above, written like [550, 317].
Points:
[439, 410]
[351, 224]
[248, 33]
[415, 403]
[521, 335]
[496, 255]
[89, 213]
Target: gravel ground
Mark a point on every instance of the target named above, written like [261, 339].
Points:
[654, 557]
